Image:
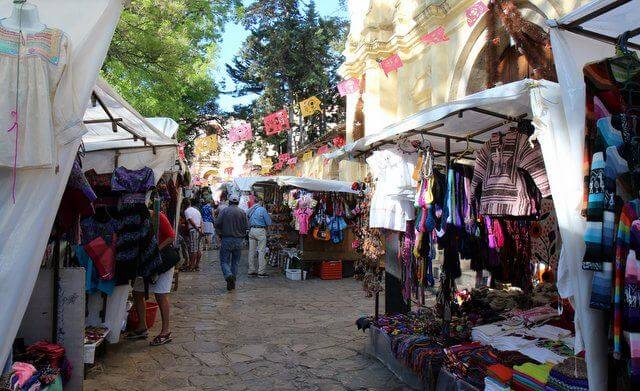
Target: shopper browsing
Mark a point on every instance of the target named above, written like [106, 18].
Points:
[161, 288]
[194, 222]
[259, 221]
[231, 225]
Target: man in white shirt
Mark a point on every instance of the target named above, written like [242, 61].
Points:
[194, 222]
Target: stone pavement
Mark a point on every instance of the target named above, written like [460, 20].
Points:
[270, 334]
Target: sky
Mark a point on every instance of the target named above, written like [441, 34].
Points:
[235, 34]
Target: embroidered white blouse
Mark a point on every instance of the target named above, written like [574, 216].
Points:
[47, 109]
[392, 201]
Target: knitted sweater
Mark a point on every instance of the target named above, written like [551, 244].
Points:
[630, 212]
[501, 166]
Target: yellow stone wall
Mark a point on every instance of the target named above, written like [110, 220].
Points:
[431, 74]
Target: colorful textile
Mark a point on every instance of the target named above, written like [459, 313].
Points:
[630, 213]
[545, 236]
[207, 213]
[530, 376]
[137, 253]
[569, 375]
[132, 181]
[501, 166]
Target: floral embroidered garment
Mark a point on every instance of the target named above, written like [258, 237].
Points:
[47, 111]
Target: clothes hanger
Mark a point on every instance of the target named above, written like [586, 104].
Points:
[467, 150]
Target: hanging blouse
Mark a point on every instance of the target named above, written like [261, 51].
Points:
[394, 196]
[48, 110]
[133, 183]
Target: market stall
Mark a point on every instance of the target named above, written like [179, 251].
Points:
[592, 35]
[38, 190]
[121, 141]
[311, 219]
[468, 180]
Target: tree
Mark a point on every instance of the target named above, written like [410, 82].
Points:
[161, 57]
[290, 54]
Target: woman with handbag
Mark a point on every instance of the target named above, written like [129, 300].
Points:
[161, 287]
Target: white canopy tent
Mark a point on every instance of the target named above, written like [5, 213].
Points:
[25, 225]
[119, 136]
[245, 184]
[583, 36]
[474, 116]
[167, 125]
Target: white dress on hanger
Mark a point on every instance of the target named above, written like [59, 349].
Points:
[392, 203]
[48, 110]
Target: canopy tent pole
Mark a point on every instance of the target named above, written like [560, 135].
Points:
[116, 122]
[576, 26]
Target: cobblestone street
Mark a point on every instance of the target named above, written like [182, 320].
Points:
[270, 334]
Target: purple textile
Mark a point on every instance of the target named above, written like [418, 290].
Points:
[78, 181]
[132, 181]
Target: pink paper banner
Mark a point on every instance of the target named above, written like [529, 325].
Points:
[323, 149]
[276, 122]
[284, 157]
[228, 170]
[349, 86]
[435, 37]
[241, 133]
[475, 12]
[391, 64]
[292, 161]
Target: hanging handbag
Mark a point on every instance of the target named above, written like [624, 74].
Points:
[321, 232]
[103, 256]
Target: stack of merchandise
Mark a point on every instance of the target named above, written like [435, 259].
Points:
[498, 378]
[530, 377]
[570, 374]
[43, 366]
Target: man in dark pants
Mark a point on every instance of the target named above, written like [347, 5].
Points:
[232, 226]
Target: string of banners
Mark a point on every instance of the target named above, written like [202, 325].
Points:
[278, 121]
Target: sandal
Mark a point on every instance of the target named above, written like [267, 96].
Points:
[161, 340]
[134, 335]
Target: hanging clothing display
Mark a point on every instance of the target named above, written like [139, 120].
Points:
[38, 105]
[501, 166]
[137, 253]
[392, 203]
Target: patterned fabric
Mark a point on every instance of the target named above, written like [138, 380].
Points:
[603, 98]
[45, 44]
[207, 213]
[92, 229]
[501, 166]
[630, 213]
[137, 252]
[545, 236]
[132, 181]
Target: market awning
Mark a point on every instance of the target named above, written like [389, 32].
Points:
[245, 184]
[113, 124]
[120, 136]
[474, 118]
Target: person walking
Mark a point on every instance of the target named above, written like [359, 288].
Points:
[194, 222]
[207, 223]
[259, 222]
[231, 225]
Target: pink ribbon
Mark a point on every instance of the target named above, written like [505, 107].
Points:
[13, 127]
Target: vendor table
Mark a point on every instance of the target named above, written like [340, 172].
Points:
[378, 345]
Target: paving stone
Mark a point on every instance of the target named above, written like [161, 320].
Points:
[270, 334]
